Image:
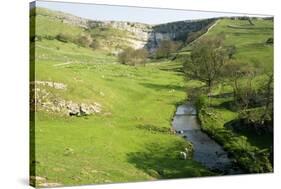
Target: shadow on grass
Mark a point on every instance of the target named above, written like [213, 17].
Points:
[223, 95]
[228, 105]
[163, 162]
[261, 140]
[173, 69]
[154, 129]
[164, 87]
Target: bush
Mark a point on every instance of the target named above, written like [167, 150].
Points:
[84, 41]
[231, 50]
[249, 157]
[201, 102]
[95, 44]
[269, 40]
[63, 37]
[49, 37]
[133, 57]
[166, 48]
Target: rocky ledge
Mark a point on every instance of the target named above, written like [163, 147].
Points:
[45, 99]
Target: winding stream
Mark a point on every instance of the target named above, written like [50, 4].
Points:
[206, 150]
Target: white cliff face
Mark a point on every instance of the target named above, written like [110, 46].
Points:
[150, 36]
[139, 33]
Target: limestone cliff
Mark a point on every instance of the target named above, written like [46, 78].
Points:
[136, 35]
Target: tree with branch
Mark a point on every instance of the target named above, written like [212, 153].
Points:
[208, 56]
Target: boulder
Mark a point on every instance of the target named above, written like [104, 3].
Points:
[73, 109]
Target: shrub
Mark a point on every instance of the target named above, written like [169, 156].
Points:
[269, 40]
[84, 40]
[201, 102]
[63, 37]
[166, 48]
[49, 37]
[133, 57]
[231, 50]
[95, 44]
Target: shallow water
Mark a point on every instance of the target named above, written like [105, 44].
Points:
[206, 150]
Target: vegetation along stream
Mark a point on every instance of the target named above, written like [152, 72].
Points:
[206, 150]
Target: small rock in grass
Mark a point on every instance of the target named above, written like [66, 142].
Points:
[49, 184]
[183, 155]
[37, 179]
[68, 151]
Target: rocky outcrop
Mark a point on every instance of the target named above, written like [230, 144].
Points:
[44, 98]
[42, 182]
[52, 84]
[75, 109]
[175, 31]
[137, 33]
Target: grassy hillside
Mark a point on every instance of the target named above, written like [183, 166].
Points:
[250, 40]
[50, 24]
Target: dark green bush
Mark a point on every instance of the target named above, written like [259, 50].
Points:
[64, 37]
[201, 102]
[269, 40]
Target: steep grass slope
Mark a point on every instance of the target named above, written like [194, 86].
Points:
[250, 40]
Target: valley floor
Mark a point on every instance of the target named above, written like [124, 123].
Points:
[129, 140]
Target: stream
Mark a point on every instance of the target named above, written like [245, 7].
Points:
[206, 151]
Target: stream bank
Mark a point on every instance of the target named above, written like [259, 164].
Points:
[205, 150]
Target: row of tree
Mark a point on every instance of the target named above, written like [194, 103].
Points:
[211, 62]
